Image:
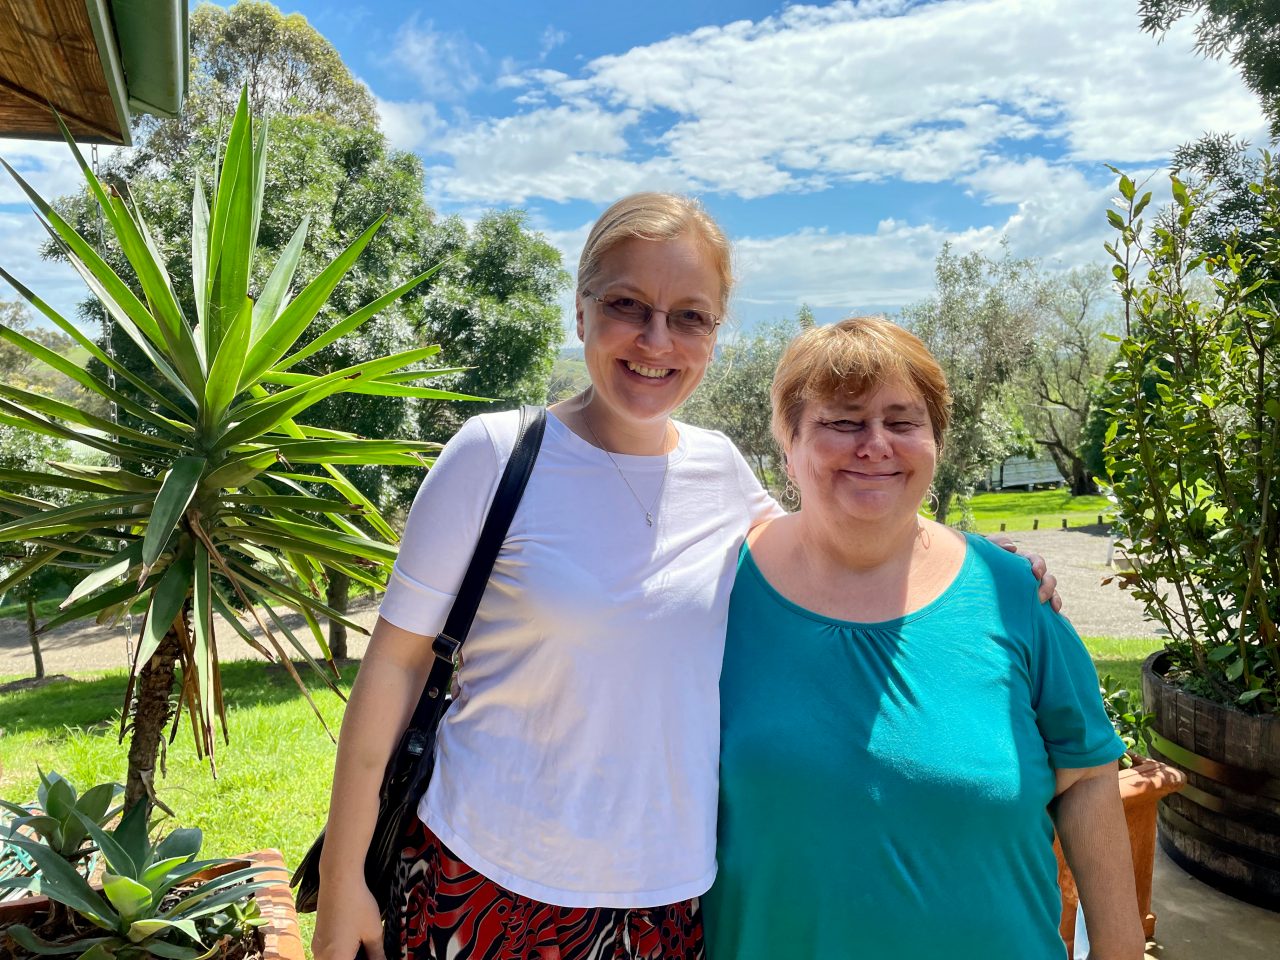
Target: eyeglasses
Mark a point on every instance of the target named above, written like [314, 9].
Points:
[684, 320]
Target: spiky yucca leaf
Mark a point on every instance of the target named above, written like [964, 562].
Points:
[210, 512]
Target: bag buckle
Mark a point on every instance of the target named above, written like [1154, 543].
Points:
[447, 648]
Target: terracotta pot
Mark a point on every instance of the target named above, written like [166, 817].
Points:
[1140, 787]
[281, 938]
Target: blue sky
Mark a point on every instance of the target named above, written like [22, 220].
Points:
[840, 144]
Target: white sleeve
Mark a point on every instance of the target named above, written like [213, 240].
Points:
[441, 531]
[760, 505]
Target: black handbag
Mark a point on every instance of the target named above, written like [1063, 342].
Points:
[410, 766]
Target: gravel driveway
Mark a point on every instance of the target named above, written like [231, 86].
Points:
[1078, 558]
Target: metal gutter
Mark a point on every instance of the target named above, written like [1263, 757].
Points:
[155, 53]
[112, 70]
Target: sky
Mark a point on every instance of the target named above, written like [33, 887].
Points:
[839, 144]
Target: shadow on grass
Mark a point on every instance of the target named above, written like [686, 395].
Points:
[95, 704]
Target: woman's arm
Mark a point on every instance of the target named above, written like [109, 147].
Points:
[1090, 821]
[391, 677]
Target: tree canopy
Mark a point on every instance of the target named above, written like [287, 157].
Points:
[288, 68]
[493, 307]
[980, 325]
[1246, 31]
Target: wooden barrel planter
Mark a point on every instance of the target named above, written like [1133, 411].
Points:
[1224, 826]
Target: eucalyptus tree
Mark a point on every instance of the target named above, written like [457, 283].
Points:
[208, 510]
[734, 395]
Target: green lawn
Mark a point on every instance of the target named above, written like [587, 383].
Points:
[18, 610]
[273, 778]
[1018, 511]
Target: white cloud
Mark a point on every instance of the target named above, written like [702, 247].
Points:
[48, 166]
[51, 170]
[56, 283]
[446, 65]
[408, 124]
[557, 154]
[816, 96]
[551, 38]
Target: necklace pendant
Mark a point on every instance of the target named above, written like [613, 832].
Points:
[648, 518]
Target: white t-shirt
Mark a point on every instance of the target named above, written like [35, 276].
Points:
[578, 764]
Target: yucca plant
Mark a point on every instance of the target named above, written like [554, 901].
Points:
[208, 508]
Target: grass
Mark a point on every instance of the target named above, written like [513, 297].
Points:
[273, 779]
[1122, 658]
[1018, 511]
[272, 788]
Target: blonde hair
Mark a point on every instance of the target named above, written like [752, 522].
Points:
[656, 216]
[849, 359]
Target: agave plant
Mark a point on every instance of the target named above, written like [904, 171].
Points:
[208, 508]
[153, 901]
[62, 811]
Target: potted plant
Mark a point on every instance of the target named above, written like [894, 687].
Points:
[153, 899]
[212, 503]
[1142, 781]
[1193, 450]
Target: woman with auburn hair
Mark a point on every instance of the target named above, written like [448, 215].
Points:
[571, 814]
[903, 726]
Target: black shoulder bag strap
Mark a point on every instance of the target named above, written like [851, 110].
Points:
[448, 642]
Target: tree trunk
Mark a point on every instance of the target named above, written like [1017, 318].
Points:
[944, 507]
[337, 596]
[1081, 482]
[31, 635]
[151, 712]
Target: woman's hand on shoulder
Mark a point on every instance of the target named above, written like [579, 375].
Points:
[347, 919]
[1048, 582]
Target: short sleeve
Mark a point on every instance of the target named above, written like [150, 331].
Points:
[1068, 705]
[441, 531]
[760, 506]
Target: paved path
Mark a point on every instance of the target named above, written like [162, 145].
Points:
[1077, 557]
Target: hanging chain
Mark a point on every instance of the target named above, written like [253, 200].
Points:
[111, 382]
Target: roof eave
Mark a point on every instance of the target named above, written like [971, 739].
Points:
[105, 39]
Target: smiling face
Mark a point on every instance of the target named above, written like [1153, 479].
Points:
[868, 458]
[642, 372]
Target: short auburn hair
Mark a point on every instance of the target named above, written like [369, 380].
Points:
[656, 216]
[850, 359]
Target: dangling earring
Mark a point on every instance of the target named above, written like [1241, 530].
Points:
[789, 492]
[934, 502]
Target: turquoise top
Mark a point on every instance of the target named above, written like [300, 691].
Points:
[883, 786]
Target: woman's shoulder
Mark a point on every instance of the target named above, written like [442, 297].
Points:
[705, 442]
[1006, 572]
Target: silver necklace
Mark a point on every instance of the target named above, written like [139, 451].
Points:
[666, 462]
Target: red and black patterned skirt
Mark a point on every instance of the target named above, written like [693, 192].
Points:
[450, 912]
